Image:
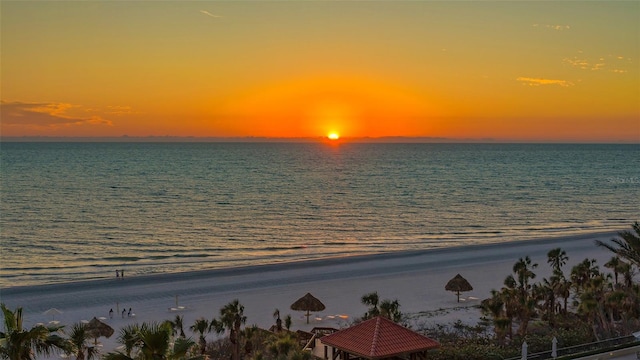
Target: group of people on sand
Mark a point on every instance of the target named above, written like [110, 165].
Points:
[124, 311]
[120, 273]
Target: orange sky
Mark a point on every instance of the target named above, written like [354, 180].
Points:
[505, 71]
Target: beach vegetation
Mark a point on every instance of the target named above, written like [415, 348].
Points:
[281, 346]
[219, 349]
[18, 343]
[154, 341]
[557, 258]
[626, 245]
[201, 326]
[595, 298]
[461, 341]
[276, 316]
[391, 310]
[177, 326]
[80, 341]
[602, 306]
[387, 308]
[371, 300]
[128, 337]
[518, 294]
[261, 344]
[231, 319]
[288, 322]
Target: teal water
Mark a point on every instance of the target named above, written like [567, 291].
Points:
[77, 211]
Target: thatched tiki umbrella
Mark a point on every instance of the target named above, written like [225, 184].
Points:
[97, 328]
[308, 303]
[458, 284]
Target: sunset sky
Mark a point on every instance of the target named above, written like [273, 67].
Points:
[483, 70]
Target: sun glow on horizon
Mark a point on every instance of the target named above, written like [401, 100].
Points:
[298, 80]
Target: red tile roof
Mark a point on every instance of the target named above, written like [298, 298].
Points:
[379, 338]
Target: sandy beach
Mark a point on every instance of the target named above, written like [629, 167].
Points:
[415, 279]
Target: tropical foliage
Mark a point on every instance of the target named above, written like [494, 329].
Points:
[18, 343]
[387, 308]
[628, 245]
[202, 327]
[580, 306]
[152, 341]
[596, 298]
[231, 319]
[80, 341]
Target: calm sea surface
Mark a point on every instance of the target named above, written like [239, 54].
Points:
[75, 211]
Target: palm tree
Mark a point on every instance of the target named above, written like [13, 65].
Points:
[627, 273]
[557, 258]
[564, 291]
[80, 343]
[154, 340]
[372, 301]
[631, 301]
[178, 324]
[523, 268]
[129, 337]
[521, 302]
[546, 293]
[614, 265]
[582, 273]
[628, 245]
[17, 343]
[495, 306]
[592, 303]
[231, 318]
[276, 315]
[182, 348]
[202, 327]
[287, 322]
[154, 343]
[391, 310]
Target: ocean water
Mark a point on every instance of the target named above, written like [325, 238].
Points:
[79, 211]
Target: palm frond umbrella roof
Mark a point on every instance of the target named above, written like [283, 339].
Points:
[308, 303]
[458, 283]
[97, 329]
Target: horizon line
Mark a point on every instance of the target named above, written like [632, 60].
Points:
[300, 139]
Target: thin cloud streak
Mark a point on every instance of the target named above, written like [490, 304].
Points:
[618, 63]
[539, 81]
[553, 27]
[45, 115]
[209, 14]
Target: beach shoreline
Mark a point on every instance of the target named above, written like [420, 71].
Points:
[315, 262]
[415, 278]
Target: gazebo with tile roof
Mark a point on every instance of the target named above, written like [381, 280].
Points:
[375, 339]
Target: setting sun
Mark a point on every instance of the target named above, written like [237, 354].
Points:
[333, 136]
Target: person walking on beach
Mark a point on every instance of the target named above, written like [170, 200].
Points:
[129, 314]
[111, 314]
[122, 273]
[124, 311]
[117, 274]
